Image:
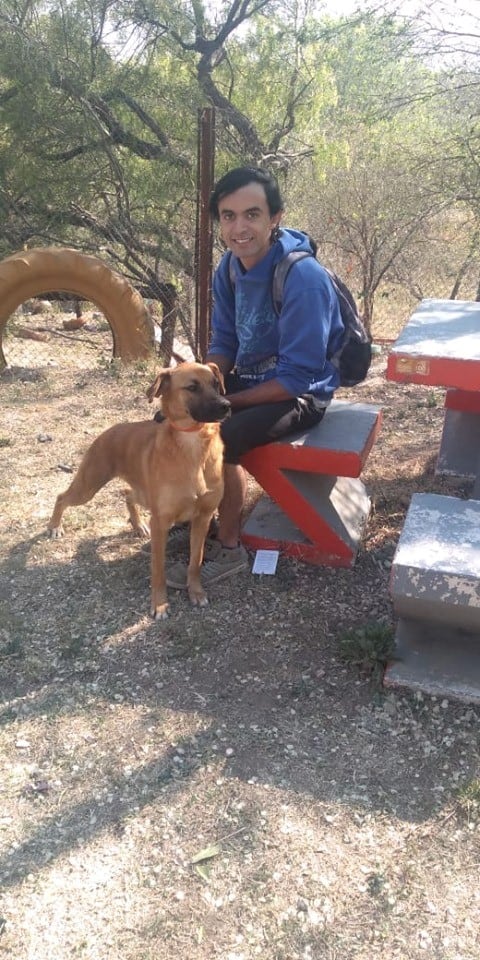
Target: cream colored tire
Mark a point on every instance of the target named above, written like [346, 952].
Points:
[31, 273]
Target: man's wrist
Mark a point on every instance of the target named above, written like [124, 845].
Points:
[270, 391]
[224, 364]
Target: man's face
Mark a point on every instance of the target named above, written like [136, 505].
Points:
[246, 223]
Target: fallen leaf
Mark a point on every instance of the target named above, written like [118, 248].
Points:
[207, 853]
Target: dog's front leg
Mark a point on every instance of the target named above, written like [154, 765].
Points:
[198, 532]
[158, 531]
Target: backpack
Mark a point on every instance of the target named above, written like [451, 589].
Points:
[354, 356]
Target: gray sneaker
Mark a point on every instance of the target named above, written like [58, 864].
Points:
[211, 549]
[226, 563]
[179, 542]
[179, 536]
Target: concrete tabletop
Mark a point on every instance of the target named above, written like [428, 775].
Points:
[442, 328]
[440, 345]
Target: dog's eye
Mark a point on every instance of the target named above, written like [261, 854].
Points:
[193, 387]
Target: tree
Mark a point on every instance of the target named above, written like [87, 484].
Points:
[376, 206]
[98, 144]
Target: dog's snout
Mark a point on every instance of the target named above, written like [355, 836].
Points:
[227, 408]
[211, 409]
[223, 408]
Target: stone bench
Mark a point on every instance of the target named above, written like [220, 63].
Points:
[315, 506]
[435, 588]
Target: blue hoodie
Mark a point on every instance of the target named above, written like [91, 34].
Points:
[291, 347]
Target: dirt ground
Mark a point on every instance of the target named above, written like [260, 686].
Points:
[221, 785]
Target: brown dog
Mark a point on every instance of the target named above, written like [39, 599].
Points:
[174, 469]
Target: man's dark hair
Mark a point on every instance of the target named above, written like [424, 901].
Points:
[241, 177]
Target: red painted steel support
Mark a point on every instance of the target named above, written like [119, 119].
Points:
[285, 469]
[463, 400]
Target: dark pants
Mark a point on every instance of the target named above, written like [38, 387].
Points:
[256, 426]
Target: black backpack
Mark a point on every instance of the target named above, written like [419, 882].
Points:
[354, 356]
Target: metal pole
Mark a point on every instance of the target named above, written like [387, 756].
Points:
[204, 230]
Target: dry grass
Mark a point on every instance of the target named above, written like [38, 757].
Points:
[222, 785]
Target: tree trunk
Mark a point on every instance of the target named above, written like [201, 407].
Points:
[367, 312]
[464, 267]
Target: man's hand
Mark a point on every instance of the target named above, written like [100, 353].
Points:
[271, 391]
[224, 364]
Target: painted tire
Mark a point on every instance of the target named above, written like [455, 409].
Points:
[31, 273]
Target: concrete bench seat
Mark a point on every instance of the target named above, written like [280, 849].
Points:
[315, 506]
[435, 588]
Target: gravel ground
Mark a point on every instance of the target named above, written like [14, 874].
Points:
[221, 785]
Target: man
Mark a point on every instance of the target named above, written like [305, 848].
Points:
[278, 376]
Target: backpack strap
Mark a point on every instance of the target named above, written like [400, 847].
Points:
[280, 272]
[346, 301]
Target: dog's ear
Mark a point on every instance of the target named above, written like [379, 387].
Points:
[218, 376]
[159, 384]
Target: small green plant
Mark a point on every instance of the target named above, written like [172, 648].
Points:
[369, 647]
[142, 366]
[375, 884]
[73, 648]
[111, 366]
[432, 399]
[468, 800]
[11, 647]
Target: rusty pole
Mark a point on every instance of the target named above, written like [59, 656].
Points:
[204, 230]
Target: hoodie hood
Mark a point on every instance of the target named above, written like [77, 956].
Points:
[288, 240]
[291, 240]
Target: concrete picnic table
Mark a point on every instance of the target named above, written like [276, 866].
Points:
[440, 346]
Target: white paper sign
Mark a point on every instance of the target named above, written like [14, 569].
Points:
[265, 561]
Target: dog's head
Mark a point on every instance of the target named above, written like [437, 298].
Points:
[193, 390]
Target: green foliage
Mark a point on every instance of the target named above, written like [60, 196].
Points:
[87, 161]
[98, 135]
[369, 647]
[289, 79]
[468, 800]
[376, 207]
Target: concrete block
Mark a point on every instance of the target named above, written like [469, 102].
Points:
[436, 567]
[339, 508]
[436, 658]
[460, 446]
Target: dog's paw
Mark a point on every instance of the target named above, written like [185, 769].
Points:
[160, 612]
[55, 533]
[141, 530]
[198, 598]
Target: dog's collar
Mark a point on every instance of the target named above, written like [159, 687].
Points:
[194, 429]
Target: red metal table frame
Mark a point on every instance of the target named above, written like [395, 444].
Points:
[315, 504]
[440, 346]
